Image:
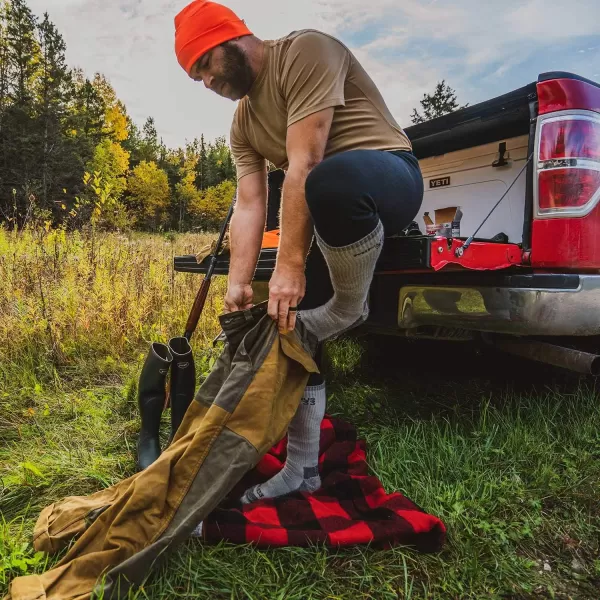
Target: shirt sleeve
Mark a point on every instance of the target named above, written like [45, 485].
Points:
[313, 74]
[247, 159]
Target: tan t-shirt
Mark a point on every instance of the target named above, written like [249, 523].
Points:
[302, 73]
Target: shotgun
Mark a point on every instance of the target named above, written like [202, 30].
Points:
[200, 300]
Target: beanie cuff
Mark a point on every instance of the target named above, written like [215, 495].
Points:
[223, 32]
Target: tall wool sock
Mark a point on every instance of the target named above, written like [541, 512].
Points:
[351, 270]
[301, 469]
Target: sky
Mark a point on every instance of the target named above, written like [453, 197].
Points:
[482, 48]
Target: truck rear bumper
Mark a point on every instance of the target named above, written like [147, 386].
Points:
[510, 310]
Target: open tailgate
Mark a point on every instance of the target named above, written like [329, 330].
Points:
[400, 254]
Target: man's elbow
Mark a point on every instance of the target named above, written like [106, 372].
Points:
[301, 167]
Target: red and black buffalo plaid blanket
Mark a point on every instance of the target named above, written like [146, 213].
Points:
[350, 508]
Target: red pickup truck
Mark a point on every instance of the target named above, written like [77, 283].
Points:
[506, 248]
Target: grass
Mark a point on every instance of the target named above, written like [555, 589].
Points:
[508, 458]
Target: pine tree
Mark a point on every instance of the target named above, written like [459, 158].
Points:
[149, 147]
[4, 102]
[4, 7]
[54, 86]
[19, 139]
[441, 102]
[23, 51]
[89, 109]
[133, 142]
[86, 120]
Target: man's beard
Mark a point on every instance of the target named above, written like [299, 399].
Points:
[237, 73]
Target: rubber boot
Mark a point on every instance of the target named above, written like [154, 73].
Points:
[151, 402]
[183, 381]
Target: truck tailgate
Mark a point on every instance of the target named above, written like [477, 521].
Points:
[400, 254]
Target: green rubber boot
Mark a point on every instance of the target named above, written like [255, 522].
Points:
[183, 381]
[151, 402]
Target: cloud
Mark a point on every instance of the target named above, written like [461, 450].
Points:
[480, 48]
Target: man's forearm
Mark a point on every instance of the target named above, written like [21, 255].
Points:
[295, 221]
[246, 232]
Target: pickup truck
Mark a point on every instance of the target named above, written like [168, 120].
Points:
[506, 248]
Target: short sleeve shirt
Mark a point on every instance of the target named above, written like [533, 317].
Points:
[303, 73]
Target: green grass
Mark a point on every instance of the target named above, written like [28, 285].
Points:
[507, 457]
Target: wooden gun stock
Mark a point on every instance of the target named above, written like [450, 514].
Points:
[197, 308]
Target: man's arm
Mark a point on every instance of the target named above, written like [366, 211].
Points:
[246, 232]
[305, 144]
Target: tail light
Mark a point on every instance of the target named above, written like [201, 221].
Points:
[568, 165]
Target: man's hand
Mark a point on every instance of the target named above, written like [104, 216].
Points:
[238, 297]
[286, 289]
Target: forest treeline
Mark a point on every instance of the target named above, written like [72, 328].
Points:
[70, 154]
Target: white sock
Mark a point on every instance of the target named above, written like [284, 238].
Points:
[301, 470]
[351, 270]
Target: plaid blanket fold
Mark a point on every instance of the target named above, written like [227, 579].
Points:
[351, 507]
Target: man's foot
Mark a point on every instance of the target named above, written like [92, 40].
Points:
[285, 482]
[301, 470]
[351, 270]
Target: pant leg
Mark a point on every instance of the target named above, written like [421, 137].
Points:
[318, 291]
[348, 193]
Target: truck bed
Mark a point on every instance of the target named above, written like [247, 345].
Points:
[409, 254]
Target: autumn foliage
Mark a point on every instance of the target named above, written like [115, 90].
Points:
[71, 155]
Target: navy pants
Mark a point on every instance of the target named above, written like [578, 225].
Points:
[347, 194]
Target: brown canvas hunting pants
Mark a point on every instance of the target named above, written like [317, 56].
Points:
[240, 411]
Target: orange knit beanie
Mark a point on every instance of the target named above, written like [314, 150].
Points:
[201, 26]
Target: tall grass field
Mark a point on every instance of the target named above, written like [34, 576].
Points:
[505, 454]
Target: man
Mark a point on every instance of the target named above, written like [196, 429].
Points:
[307, 106]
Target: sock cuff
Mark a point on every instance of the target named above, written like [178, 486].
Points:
[314, 389]
[361, 244]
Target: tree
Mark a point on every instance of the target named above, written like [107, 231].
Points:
[69, 150]
[19, 138]
[186, 196]
[99, 205]
[441, 102]
[105, 181]
[115, 116]
[202, 166]
[87, 113]
[149, 194]
[4, 73]
[53, 88]
[23, 50]
[181, 166]
[210, 206]
[149, 149]
[112, 162]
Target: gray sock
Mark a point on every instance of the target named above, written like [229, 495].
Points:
[301, 470]
[198, 531]
[351, 270]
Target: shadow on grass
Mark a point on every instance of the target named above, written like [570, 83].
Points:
[429, 379]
